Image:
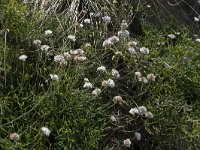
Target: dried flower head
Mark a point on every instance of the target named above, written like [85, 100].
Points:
[118, 100]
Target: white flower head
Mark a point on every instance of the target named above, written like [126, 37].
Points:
[48, 32]
[23, 57]
[151, 77]
[196, 19]
[113, 119]
[45, 48]
[141, 111]
[144, 50]
[88, 44]
[127, 143]
[149, 115]
[81, 25]
[14, 137]
[171, 36]
[98, 14]
[119, 54]
[72, 37]
[86, 21]
[113, 39]
[133, 111]
[197, 40]
[132, 51]
[67, 56]
[79, 59]
[86, 79]
[96, 92]
[107, 42]
[148, 6]
[115, 73]
[123, 33]
[54, 77]
[137, 136]
[87, 84]
[58, 58]
[138, 75]
[63, 63]
[102, 69]
[132, 43]
[37, 42]
[111, 83]
[106, 19]
[46, 131]
[143, 79]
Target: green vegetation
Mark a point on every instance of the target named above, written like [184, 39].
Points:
[53, 84]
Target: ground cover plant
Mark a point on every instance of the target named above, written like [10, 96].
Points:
[104, 78]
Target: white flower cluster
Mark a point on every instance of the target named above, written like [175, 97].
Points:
[171, 36]
[145, 80]
[77, 55]
[123, 33]
[111, 41]
[141, 111]
[87, 84]
[54, 77]
[134, 50]
[108, 83]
